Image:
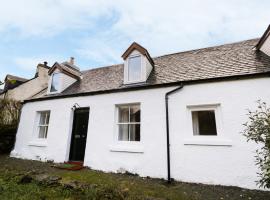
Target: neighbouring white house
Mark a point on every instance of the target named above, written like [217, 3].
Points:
[18, 88]
[175, 116]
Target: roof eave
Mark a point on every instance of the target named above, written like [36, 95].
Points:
[189, 82]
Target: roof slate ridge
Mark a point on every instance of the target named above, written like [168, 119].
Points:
[207, 48]
[17, 77]
[176, 53]
[100, 68]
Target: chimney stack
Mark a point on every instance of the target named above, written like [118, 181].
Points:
[72, 60]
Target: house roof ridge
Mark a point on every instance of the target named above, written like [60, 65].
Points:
[175, 53]
[206, 48]
[103, 67]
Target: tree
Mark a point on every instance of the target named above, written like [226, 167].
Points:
[257, 129]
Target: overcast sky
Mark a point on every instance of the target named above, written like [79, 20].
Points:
[96, 33]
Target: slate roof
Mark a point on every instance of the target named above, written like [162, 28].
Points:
[17, 78]
[68, 68]
[237, 59]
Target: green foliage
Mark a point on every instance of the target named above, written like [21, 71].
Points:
[9, 111]
[9, 118]
[257, 129]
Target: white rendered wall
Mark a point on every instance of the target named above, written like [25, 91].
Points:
[227, 165]
[266, 46]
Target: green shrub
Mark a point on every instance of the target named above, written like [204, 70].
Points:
[257, 129]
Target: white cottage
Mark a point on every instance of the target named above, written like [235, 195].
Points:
[175, 116]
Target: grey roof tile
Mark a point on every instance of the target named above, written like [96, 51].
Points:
[214, 62]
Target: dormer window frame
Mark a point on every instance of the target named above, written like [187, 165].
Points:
[51, 82]
[147, 64]
[141, 79]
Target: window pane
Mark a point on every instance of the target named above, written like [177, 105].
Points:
[55, 82]
[134, 68]
[134, 130]
[44, 118]
[204, 123]
[123, 132]
[124, 114]
[135, 114]
[42, 132]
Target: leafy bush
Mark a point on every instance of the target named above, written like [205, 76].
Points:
[9, 118]
[9, 111]
[257, 129]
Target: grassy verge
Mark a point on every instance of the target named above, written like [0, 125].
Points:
[90, 184]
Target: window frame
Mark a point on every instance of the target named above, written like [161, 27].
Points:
[51, 82]
[206, 107]
[196, 123]
[207, 140]
[39, 125]
[141, 68]
[118, 106]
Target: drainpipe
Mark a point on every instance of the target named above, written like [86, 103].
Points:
[168, 130]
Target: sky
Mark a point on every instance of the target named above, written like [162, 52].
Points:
[97, 33]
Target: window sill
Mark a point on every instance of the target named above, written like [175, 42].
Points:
[38, 143]
[128, 148]
[208, 141]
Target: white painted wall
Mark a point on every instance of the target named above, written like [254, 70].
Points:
[228, 165]
[266, 47]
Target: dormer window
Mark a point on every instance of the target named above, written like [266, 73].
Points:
[63, 75]
[55, 83]
[138, 64]
[134, 68]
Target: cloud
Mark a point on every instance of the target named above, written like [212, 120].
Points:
[111, 25]
[30, 63]
[173, 25]
[49, 17]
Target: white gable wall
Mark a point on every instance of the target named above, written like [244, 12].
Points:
[67, 81]
[266, 46]
[228, 165]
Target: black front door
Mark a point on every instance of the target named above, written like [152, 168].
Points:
[79, 134]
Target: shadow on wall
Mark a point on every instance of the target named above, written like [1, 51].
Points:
[7, 138]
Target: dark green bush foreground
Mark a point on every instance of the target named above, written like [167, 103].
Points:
[7, 137]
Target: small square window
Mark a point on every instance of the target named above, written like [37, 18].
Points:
[55, 83]
[204, 122]
[129, 120]
[44, 118]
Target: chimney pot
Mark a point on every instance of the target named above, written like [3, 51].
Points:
[72, 60]
[45, 63]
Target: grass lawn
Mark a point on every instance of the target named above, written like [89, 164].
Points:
[90, 184]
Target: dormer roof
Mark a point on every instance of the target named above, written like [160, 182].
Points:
[66, 68]
[141, 49]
